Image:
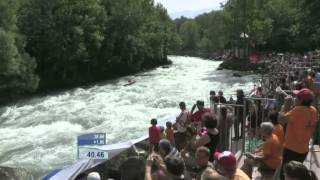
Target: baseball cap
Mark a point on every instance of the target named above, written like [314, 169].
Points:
[93, 176]
[304, 94]
[226, 159]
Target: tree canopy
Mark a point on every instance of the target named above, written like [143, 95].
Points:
[276, 25]
[61, 43]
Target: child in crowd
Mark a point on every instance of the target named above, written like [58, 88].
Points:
[162, 133]
[169, 132]
[154, 135]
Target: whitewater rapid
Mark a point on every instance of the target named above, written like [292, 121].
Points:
[40, 134]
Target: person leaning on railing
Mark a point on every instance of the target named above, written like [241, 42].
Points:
[301, 123]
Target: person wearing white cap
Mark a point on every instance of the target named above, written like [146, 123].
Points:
[93, 176]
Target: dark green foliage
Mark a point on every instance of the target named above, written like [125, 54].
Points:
[310, 26]
[138, 35]
[73, 42]
[16, 66]
[277, 25]
[64, 36]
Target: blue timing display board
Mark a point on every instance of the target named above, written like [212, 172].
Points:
[92, 139]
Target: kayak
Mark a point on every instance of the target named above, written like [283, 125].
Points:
[129, 83]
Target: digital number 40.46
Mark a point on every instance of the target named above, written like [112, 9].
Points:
[94, 155]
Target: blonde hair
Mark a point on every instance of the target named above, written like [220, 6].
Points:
[211, 174]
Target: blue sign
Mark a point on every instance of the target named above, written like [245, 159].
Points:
[92, 139]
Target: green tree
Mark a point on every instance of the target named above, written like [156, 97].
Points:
[138, 35]
[190, 35]
[64, 36]
[16, 66]
[281, 25]
[284, 15]
[310, 23]
[214, 31]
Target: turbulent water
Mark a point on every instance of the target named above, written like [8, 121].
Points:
[40, 134]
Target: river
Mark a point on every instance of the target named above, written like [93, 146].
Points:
[40, 134]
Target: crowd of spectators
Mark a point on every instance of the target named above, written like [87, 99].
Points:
[281, 112]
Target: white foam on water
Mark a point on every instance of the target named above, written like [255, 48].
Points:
[40, 135]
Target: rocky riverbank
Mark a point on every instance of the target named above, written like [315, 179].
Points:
[242, 65]
[204, 55]
[8, 173]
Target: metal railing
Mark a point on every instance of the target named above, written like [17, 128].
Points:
[245, 138]
[229, 125]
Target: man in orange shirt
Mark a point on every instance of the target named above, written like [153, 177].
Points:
[269, 157]
[301, 123]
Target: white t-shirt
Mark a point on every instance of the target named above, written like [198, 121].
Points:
[182, 120]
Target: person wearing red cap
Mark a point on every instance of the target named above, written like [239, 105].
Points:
[301, 123]
[227, 166]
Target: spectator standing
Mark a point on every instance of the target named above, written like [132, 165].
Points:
[197, 116]
[154, 135]
[301, 123]
[239, 121]
[210, 136]
[169, 132]
[181, 124]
